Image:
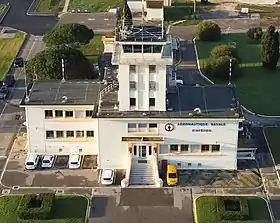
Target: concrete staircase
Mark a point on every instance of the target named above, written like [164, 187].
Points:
[141, 173]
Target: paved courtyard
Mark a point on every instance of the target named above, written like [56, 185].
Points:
[143, 205]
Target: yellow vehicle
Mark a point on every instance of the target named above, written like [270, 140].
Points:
[171, 175]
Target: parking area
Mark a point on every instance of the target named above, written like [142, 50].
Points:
[162, 205]
[247, 176]
[59, 175]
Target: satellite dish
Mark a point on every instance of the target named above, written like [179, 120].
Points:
[64, 99]
[197, 110]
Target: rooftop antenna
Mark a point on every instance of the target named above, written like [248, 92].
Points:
[63, 70]
[143, 20]
[162, 28]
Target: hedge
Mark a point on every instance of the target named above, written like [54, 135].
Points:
[224, 214]
[24, 210]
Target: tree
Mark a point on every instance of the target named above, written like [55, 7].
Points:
[219, 67]
[47, 64]
[209, 31]
[270, 48]
[255, 33]
[224, 50]
[124, 15]
[68, 34]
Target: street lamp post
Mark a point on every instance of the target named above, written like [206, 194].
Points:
[230, 71]
[194, 8]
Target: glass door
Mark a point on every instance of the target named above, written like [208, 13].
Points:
[143, 151]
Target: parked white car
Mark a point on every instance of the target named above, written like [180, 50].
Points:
[74, 161]
[47, 161]
[32, 161]
[108, 176]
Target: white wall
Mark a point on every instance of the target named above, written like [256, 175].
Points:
[154, 14]
[37, 126]
[114, 153]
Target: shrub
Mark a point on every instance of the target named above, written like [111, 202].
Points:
[255, 33]
[35, 207]
[233, 215]
[219, 67]
[209, 31]
[224, 50]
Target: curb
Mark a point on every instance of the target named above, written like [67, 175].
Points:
[32, 8]
[3, 15]
[210, 81]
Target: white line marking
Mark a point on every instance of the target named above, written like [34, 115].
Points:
[4, 108]
[106, 19]
[91, 19]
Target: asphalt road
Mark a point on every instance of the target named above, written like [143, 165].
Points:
[99, 22]
[17, 18]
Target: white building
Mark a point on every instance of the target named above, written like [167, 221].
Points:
[138, 119]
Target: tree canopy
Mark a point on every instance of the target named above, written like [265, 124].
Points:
[270, 48]
[209, 31]
[47, 64]
[68, 34]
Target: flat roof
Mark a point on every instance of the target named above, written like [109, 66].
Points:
[216, 101]
[143, 34]
[56, 92]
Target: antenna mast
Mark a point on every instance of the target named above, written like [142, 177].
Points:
[62, 69]
[25, 83]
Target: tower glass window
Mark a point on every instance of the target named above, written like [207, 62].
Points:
[127, 48]
[157, 48]
[137, 48]
[147, 48]
[132, 101]
[152, 68]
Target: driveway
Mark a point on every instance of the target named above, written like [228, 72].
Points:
[143, 205]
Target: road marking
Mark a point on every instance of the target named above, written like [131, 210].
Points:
[106, 19]
[91, 19]
[4, 108]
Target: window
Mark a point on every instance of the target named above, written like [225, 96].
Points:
[80, 134]
[152, 85]
[142, 127]
[199, 164]
[59, 134]
[89, 113]
[69, 134]
[132, 127]
[152, 68]
[157, 48]
[153, 127]
[137, 48]
[127, 48]
[132, 101]
[58, 113]
[205, 148]
[69, 114]
[48, 113]
[90, 133]
[49, 134]
[215, 148]
[174, 148]
[195, 148]
[152, 102]
[132, 85]
[189, 164]
[147, 48]
[132, 68]
[184, 148]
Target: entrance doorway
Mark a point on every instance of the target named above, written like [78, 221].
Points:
[142, 151]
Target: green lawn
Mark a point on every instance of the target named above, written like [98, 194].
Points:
[258, 89]
[50, 6]
[66, 209]
[9, 48]
[93, 49]
[206, 211]
[264, 11]
[2, 8]
[273, 138]
[93, 5]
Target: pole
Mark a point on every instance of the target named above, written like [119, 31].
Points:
[194, 8]
[230, 67]
[62, 69]
[25, 84]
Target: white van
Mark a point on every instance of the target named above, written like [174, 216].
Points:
[32, 161]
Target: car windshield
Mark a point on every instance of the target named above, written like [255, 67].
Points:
[30, 163]
[106, 178]
[172, 175]
[46, 161]
[3, 90]
[17, 60]
[74, 163]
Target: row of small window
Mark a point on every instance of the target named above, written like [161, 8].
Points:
[51, 134]
[152, 85]
[142, 48]
[142, 127]
[152, 102]
[68, 114]
[195, 148]
[152, 69]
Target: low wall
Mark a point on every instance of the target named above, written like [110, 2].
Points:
[5, 12]
[31, 11]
